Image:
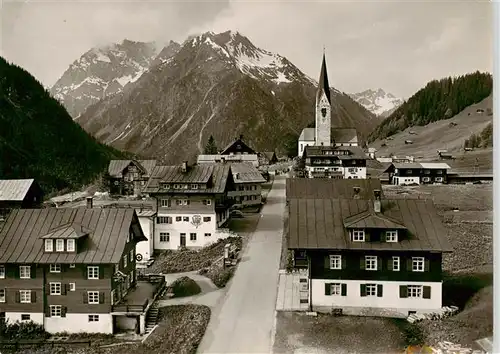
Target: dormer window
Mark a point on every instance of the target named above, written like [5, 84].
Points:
[194, 186]
[49, 245]
[391, 236]
[59, 245]
[70, 245]
[358, 235]
[165, 186]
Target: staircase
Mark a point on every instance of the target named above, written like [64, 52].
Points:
[151, 318]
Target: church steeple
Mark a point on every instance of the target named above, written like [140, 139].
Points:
[323, 85]
[323, 109]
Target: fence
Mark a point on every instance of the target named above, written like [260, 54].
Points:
[16, 345]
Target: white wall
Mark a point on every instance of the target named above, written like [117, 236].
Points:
[302, 146]
[390, 299]
[145, 248]
[12, 317]
[357, 172]
[79, 322]
[406, 180]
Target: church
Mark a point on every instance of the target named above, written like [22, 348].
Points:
[330, 152]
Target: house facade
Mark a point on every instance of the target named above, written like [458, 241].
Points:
[335, 162]
[191, 204]
[247, 158]
[369, 257]
[129, 177]
[237, 147]
[19, 193]
[145, 249]
[247, 185]
[74, 270]
[417, 173]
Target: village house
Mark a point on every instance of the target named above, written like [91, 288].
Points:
[267, 158]
[19, 193]
[335, 162]
[73, 270]
[328, 189]
[247, 185]
[249, 158]
[417, 173]
[145, 249]
[191, 204]
[368, 257]
[128, 177]
[238, 146]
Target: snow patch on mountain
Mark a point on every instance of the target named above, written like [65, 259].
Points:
[378, 101]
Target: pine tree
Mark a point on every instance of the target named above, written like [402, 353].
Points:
[211, 147]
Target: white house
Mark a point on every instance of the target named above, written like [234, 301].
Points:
[335, 162]
[144, 249]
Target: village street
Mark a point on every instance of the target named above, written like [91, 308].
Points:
[243, 320]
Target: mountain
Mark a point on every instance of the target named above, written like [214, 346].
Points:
[378, 101]
[39, 139]
[220, 85]
[438, 100]
[101, 72]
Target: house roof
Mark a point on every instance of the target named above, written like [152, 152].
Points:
[14, 189]
[21, 237]
[370, 219]
[323, 85]
[418, 165]
[308, 134]
[355, 152]
[269, 155]
[339, 135]
[319, 224]
[145, 213]
[245, 172]
[196, 174]
[237, 141]
[218, 158]
[70, 230]
[330, 188]
[431, 165]
[116, 167]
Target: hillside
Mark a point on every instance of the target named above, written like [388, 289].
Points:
[220, 85]
[438, 100]
[449, 134]
[38, 138]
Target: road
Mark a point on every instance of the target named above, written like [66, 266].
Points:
[243, 321]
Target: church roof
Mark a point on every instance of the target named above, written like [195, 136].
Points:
[338, 135]
[323, 85]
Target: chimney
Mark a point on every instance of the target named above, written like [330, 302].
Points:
[184, 166]
[377, 207]
[237, 175]
[356, 192]
[90, 202]
[223, 159]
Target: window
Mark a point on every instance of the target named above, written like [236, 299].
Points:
[2, 272]
[93, 272]
[93, 297]
[439, 179]
[358, 235]
[72, 286]
[125, 261]
[24, 272]
[164, 237]
[25, 296]
[131, 255]
[59, 245]
[439, 172]
[335, 262]
[55, 310]
[207, 202]
[192, 236]
[93, 318]
[414, 290]
[72, 265]
[417, 264]
[182, 201]
[2, 295]
[208, 234]
[49, 245]
[207, 219]
[371, 262]
[371, 289]
[391, 236]
[194, 186]
[55, 268]
[165, 203]
[163, 220]
[55, 288]
[185, 218]
[395, 264]
[178, 218]
[70, 245]
[25, 317]
[335, 289]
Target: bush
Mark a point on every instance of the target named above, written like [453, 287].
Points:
[185, 286]
[220, 276]
[289, 262]
[22, 330]
[412, 333]
[458, 289]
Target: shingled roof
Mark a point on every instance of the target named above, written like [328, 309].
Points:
[22, 237]
[245, 172]
[116, 167]
[319, 224]
[14, 189]
[327, 188]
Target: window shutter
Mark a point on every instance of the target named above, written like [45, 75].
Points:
[33, 296]
[99, 272]
[403, 291]
[47, 289]
[101, 297]
[389, 264]
[426, 293]
[362, 289]
[64, 289]
[18, 272]
[408, 265]
[344, 262]
[327, 262]
[85, 275]
[32, 272]
[328, 289]
[18, 296]
[362, 263]
[47, 311]
[379, 263]
[63, 311]
[379, 290]
[426, 265]
[343, 289]
[367, 236]
[85, 297]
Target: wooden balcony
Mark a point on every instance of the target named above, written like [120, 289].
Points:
[140, 295]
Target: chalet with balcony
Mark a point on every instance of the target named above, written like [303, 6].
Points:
[247, 185]
[246, 158]
[335, 162]
[129, 177]
[369, 257]
[192, 204]
[417, 173]
[19, 193]
[74, 270]
[238, 146]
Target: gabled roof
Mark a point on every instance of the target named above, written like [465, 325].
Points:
[431, 165]
[195, 174]
[323, 85]
[70, 230]
[116, 167]
[418, 165]
[14, 189]
[218, 158]
[319, 224]
[337, 134]
[245, 172]
[319, 188]
[370, 219]
[21, 236]
[238, 141]
[308, 134]
[269, 155]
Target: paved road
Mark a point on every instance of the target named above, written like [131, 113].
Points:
[243, 321]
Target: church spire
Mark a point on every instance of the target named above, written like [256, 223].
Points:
[323, 85]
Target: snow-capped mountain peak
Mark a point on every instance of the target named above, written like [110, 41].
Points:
[377, 101]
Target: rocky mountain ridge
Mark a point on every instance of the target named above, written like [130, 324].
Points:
[378, 101]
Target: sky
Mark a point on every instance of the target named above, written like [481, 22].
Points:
[395, 45]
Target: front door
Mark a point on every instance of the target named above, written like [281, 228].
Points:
[183, 240]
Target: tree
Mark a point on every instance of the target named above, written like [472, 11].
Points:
[211, 147]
